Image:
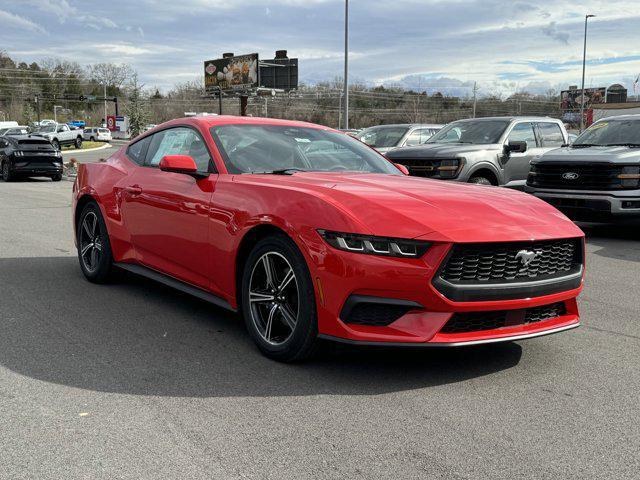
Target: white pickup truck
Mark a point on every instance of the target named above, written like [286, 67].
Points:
[61, 134]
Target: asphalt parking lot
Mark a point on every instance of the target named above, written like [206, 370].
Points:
[134, 380]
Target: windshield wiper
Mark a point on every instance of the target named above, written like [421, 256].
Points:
[631, 145]
[584, 145]
[283, 171]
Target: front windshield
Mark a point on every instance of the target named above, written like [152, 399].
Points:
[268, 148]
[480, 132]
[611, 132]
[383, 136]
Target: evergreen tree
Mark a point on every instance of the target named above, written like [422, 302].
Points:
[137, 108]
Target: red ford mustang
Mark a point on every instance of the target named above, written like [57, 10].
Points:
[310, 233]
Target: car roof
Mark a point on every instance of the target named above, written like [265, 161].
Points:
[628, 116]
[217, 120]
[512, 118]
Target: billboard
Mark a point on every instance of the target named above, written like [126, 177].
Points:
[571, 99]
[232, 74]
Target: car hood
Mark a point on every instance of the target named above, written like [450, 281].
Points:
[593, 154]
[440, 150]
[410, 207]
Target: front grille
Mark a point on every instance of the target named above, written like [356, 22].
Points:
[421, 167]
[490, 263]
[375, 314]
[582, 176]
[480, 321]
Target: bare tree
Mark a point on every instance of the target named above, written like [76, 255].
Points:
[111, 74]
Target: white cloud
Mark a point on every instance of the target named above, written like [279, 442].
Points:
[11, 20]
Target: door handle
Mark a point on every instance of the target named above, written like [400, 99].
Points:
[133, 189]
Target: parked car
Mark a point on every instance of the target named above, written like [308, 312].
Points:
[385, 137]
[8, 124]
[597, 177]
[485, 151]
[334, 243]
[77, 123]
[97, 134]
[17, 130]
[29, 156]
[61, 134]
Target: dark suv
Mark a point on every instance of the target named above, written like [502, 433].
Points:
[29, 156]
[597, 177]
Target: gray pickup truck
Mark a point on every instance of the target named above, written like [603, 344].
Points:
[597, 177]
[487, 151]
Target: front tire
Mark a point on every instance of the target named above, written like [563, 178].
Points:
[57, 178]
[7, 176]
[480, 180]
[278, 300]
[94, 248]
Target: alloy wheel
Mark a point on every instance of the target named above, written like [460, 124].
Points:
[274, 298]
[90, 242]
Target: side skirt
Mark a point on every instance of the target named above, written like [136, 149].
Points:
[177, 284]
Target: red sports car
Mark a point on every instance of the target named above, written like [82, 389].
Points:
[311, 234]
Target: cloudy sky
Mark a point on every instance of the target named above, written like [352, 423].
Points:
[504, 45]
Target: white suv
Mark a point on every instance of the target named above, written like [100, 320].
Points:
[94, 134]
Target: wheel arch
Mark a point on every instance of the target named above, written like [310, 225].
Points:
[82, 202]
[488, 171]
[248, 242]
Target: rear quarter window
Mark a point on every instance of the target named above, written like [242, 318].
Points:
[137, 151]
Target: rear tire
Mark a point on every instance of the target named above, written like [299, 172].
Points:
[479, 180]
[92, 139]
[279, 308]
[7, 176]
[94, 248]
[78, 142]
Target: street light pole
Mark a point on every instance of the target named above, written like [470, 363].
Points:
[584, 63]
[346, 64]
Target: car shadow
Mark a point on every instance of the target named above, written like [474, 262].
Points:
[615, 241]
[138, 337]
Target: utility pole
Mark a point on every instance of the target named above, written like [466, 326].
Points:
[346, 64]
[475, 97]
[584, 63]
[37, 108]
[55, 112]
[105, 102]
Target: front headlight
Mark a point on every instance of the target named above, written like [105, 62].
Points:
[18, 153]
[57, 153]
[383, 246]
[449, 168]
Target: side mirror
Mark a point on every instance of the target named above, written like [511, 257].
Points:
[402, 168]
[180, 164]
[515, 147]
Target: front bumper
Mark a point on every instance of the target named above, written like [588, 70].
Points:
[339, 276]
[592, 206]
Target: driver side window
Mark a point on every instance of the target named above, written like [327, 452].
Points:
[523, 132]
[178, 141]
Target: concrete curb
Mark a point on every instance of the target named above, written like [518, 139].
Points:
[79, 152]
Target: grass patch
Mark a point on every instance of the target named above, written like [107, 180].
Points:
[85, 146]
